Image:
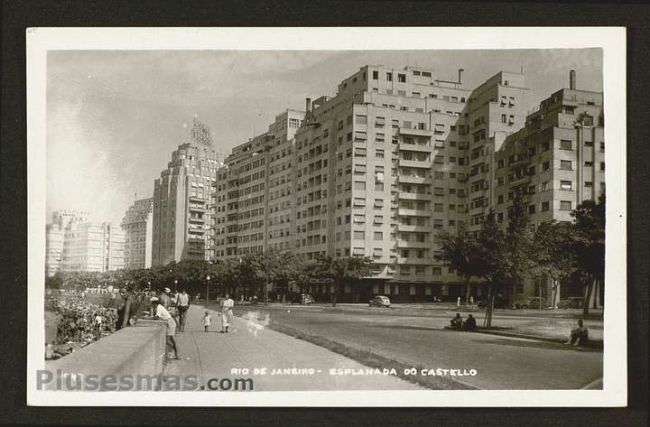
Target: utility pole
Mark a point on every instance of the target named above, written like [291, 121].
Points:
[207, 291]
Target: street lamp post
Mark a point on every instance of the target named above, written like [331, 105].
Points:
[207, 291]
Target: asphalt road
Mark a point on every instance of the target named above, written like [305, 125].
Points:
[269, 357]
[421, 341]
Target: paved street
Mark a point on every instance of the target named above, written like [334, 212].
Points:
[251, 345]
[501, 362]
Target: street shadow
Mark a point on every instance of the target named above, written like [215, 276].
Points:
[510, 342]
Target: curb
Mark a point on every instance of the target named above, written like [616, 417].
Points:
[590, 344]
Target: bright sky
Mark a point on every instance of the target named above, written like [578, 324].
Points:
[114, 117]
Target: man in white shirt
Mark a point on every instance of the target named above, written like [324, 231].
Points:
[183, 304]
[226, 313]
[161, 313]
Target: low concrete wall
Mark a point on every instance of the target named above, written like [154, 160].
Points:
[135, 350]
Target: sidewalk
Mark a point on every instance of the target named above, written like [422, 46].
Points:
[251, 345]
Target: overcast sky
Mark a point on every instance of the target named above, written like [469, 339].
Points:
[114, 117]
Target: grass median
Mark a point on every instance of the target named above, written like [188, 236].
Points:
[370, 359]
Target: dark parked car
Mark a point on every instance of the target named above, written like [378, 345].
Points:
[532, 302]
[379, 301]
[498, 303]
[571, 302]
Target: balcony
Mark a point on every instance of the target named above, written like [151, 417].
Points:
[197, 220]
[413, 196]
[413, 212]
[195, 208]
[414, 261]
[415, 164]
[415, 147]
[413, 245]
[197, 199]
[414, 228]
[403, 179]
[415, 132]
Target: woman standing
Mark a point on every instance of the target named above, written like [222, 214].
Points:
[226, 313]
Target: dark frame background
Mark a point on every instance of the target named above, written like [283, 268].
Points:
[17, 16]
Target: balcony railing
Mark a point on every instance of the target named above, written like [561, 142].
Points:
[415, 132]
[415, 147]
[426, 164]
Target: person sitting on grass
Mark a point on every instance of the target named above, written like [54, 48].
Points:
[470, 323]
[457, 322]
[579, 335]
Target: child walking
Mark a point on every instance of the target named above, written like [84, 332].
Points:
[207, 319]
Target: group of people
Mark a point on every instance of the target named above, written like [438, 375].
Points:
[459, 324]
[173, 310]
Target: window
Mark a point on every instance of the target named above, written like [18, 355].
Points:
[359, 218]
[565, 205]
[389, 77]
[504, 118]
[545, 206]
[378, 235]
[401, 78]
[546, 166]
[361, 119]
[379, 154]
[359, 235]
[531, 209]
[375, 75]
[566, 144]
[589, 184]
[589, 164]
[602, 166]
[566, 165]
[359, 185]
[565, 185]
[437, 271]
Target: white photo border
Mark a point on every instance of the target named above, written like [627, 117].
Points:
[611, 39]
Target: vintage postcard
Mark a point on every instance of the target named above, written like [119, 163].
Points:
[327, 216]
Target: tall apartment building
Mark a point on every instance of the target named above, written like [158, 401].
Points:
[384, 166]
[556, 161]
[54, 238]
[182, 203]
[137, 225]
[92, 247]
[497, 108]
[253, 194]
[378, 170]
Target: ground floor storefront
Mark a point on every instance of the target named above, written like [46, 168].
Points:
[528, 293]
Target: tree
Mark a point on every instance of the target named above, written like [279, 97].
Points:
[341, 270]
[491, 258]
[553, 255]
[461, 252]
[589, 245]
[519, 262]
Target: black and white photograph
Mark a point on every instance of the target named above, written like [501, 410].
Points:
[289, 217]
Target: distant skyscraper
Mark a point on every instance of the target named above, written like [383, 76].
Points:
[92, 247]
[137, 227]
[182, 201]
[54, 237]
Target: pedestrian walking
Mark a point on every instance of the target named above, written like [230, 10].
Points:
[161, 313]
[226, 313]
[207, 320]
[183, 304]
